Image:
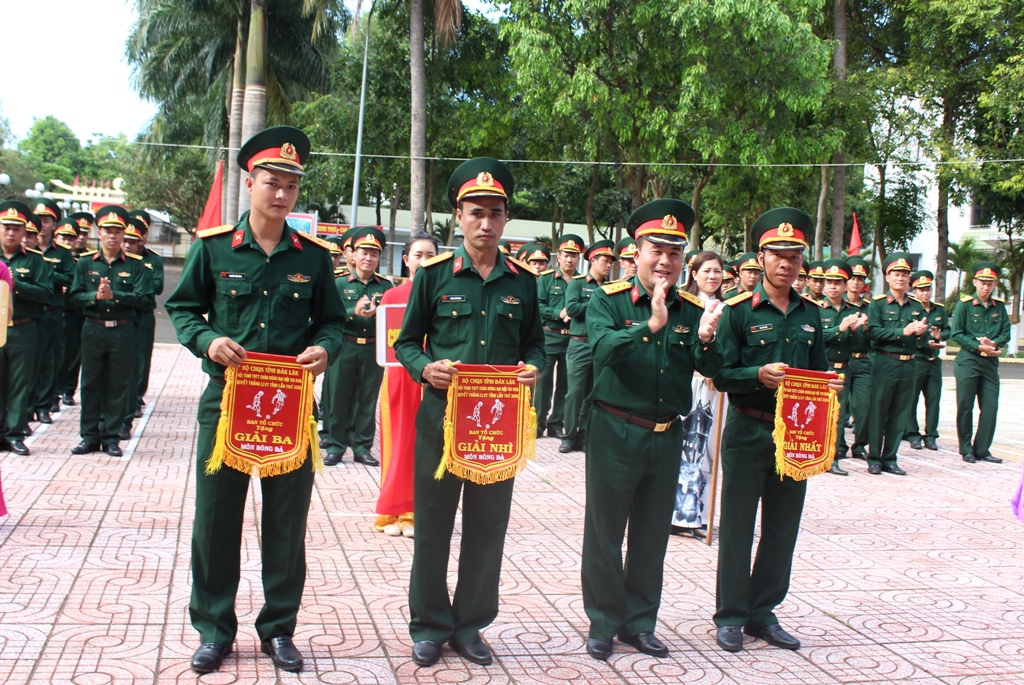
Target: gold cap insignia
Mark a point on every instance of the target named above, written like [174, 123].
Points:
[570, 243]
[112, 217]
[669, 222]
[987, 271]
[288, 152]
[40, 208]
[484, 179]
[786, 230]
[84, 223]
[11, 211]
[833, 269]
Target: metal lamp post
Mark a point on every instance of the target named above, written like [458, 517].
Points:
[362, 111]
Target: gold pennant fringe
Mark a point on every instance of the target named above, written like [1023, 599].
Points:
[782, 467]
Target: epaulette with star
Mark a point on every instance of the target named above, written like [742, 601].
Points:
[341, 271]
[579, 276]
[733, 301]
[438, 258]
[87, 253]
[879, 297]
[386, 278]
[216, 230]
[545, 273]
[690, 297]
[616, 287]
[34, 251]
[998, 299]
[133, 256]
[966, 298]
[913, 298]
[524, 265]
[66, 247]
[316, 241]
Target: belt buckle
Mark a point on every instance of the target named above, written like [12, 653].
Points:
[662, 426]
[360, 341]
[109, 323]
[906, 357]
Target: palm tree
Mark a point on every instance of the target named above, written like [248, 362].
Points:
[962, 257]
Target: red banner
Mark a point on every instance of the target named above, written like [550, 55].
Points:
[806, 421]
[389, 325]
[490, 426]
[266, 417]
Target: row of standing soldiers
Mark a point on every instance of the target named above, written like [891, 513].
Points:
[76, 311]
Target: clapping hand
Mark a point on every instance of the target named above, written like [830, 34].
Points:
[659, 312]
[709, 319]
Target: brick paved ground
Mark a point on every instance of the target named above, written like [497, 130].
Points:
[917, 579]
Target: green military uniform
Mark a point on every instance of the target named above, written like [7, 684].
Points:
[579, 360]
[746, 262]
[108, 337]
[927, 369]
[977, 372]
[552, 286]
[537, 256]
[74, 319]
[838, 346]
[352, 382]
[50, 324]
[154, 264]
[634, 435]
[279, 303]
[32, 288]
[475, 321]
[892, 369]
[754, 332]
[858, 377]
[730, 281]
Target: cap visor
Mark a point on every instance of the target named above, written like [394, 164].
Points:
[784, 246]
[281, 169]
[664, 239]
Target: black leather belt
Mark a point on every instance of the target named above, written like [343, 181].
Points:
[50, 307]
[901, 357]
[859, 355]
[218, 380]
[839, 365]
[68, 313]
[109, 323]
[359, 341]
[581, 338]
[656, 426]
[755, 414]
[560, 331]
[18, 322]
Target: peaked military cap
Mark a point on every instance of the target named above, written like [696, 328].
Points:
[346, 240]
[135, 228]
[782, 228]
[335, 242]
[504, 246]
[986, 271]
[281, 148]
[805, 268]
[368, 236]
[858, 266]
[690, 256]
[143, 216]
[536, 251]
[33, 223]
[730, 271]
[662, 221]
[45, 205]
[67, 226]
[816, 270]
[836, 269]
[626, 248]
[480, 177]
[897, 261]
[748, 261]
[600, 247]
[84, 221]
[570, 242]
[112, 215]
[14, 212]
[922, 279]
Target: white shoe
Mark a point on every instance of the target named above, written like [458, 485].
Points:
[407, 530]
[393, 529]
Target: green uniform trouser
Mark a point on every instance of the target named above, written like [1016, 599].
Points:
[976, 377]
[928, 380]
[858, 400]
[580, 364]
[217, 539]
[632, 475]
[106, 382]
[745, 596]
[71, 356]
[350, 391]
[50, 333]
[17, 371]
[144, 352]
[133, 383]
[552, 379]
[844, 403]
[485, 513]
[892, 389]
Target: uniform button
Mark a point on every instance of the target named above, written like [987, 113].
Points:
[660, 400]
[268, 260]
[483, 342]
[787, 340]
[662, 371]
[232, 292]
[659, 342]
[645, 338]
[454, 313]
[296, 295]
[264, 293]
[762, 343]
[483, 313]
[510, 315]
[263, 325]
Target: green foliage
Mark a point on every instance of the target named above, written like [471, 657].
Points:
[175, 180]
[961, 258]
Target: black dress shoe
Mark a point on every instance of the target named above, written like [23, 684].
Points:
[990, 459]
[568, 445]
[478, 652]
[894, 470]
[916, 444]
[86, 447]
[332, 459]
[426, 652]
[209, 656]
[874, 469]
[970, 458]
[774, 635]
[366, 459]
[283, 652]
[113, 449]
[55, 407]
[848, 424]
[730, 638]
[67, 400]
[124, 434]
[44, 417]
[556, 432]
[138, 413]
[540, 432]
[31, 418]
[929, 443]
[599, 647]
[15, 446]
[646, 642]
[837, 470]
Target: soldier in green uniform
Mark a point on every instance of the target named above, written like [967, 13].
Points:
[647, 337]
[130, 245]
[761, 334]
[981, 327]
[579, 360]
[858, 376]
[74, 317]
[154, 264]
[50, 324]
[337, 255]
[729, 278]
[626, 251]
[552, 286]
[110, 285]
[894, 325]
[474, 306]
[816, 280]
[750, 272]
[32, 288]
[538, 256]
[927, 365]
[840, 324]
[801, 278]
[352, 382]
[690, 257]
[258, 286]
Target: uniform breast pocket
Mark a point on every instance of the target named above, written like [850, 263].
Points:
[761, 347]
[231, 299]
[510, 318]
[452, 322]
[292, 304]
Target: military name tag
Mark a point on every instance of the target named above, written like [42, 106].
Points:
[230, 275]
[453, 298]
[761, 327]
[633, 323]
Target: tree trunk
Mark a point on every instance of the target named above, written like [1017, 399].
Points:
[429, 198]
[819, 226]
[839, 173]
[379, 200]
[746, 232]
[554, 226]
[595, 181]
[880, 219]
[254, 113]
[235, 128]
[942, 213]
[396, 195]
[417, 116]
[698, 190]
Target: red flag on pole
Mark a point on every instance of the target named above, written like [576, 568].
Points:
[211, 215]
[855, 243]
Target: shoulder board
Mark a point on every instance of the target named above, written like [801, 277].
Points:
[66, 247]
[998, 299]
[966, 298]
[616, 287]
[447, 254]
[529, 269]
[733, 301]
[879, 297]
[216, 230]
[913, 298]
[545, 273]
[690, 297]
[88, 253]
[34, 251]
[386, 278]
[810, 299]
[824, 304]
[316, 241]
[579, 276]
[341, 271]
[133, 256]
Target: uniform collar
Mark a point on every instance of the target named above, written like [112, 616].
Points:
[461, 263]
[99, 255]
[759, 296]
[639, 292]
[243, 236]
[352, 276]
